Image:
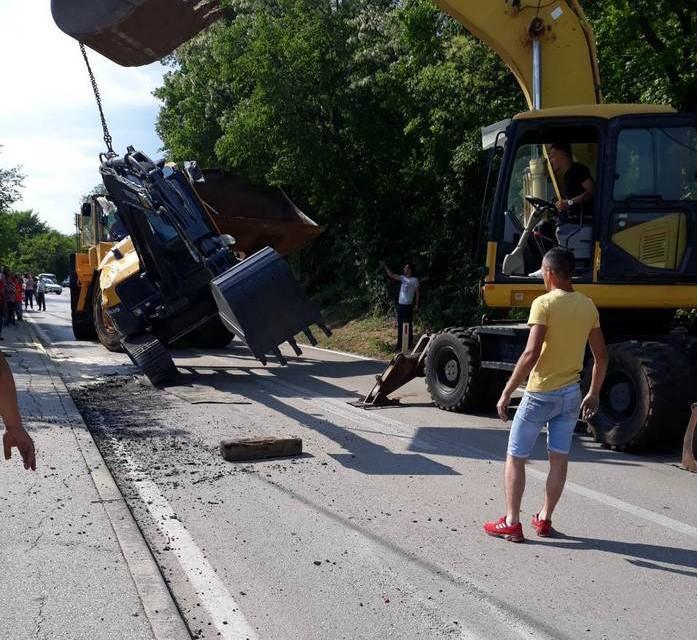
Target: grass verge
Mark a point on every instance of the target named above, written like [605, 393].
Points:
[360, 332]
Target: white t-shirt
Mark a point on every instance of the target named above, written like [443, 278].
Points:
[408, 289]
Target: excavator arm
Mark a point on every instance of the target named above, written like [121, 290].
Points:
[138, 32]
[569, 62]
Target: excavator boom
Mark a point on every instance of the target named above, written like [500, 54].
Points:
[133, 33]
[569, 61]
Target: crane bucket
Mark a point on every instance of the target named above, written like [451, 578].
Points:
[256, 216]
[133, 33]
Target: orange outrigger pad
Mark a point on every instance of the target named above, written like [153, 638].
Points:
[402, 369]
[133, 33]
[689, 449]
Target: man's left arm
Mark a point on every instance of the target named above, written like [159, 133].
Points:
[523, 367]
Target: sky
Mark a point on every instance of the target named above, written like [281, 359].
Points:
[49, 123]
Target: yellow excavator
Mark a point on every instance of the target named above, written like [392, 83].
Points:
[635, 243]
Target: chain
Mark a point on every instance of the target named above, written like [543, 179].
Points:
[98, 98]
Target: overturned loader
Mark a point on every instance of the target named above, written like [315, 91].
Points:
[171, 273]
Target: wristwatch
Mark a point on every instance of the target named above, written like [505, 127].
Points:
[571, 203]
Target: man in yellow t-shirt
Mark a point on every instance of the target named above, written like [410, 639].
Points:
[561, 323]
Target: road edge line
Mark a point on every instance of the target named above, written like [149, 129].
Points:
[165, 619]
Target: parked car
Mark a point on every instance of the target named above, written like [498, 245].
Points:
[50, 283]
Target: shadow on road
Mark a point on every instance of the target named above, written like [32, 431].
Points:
[640, 555]
[479, 442]
[363, 455]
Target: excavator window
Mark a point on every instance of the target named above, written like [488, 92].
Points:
[531, 174]
[656, 162]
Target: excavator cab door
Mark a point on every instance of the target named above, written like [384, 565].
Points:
[133, 33]
[650, 200]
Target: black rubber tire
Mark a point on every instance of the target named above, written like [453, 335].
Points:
[151, 357]
[453, 376]
[107, 333]
[82, 322]
[645, 401]
[212, 335]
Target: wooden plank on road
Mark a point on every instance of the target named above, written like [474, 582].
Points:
[260, 449]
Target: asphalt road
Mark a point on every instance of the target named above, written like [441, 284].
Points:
[375, 532]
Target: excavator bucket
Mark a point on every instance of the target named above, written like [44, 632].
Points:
[259, 301]
[402, 369]
[133, 33]
[255, 216]
[689, 449]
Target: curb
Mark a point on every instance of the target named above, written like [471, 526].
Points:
[160, 608]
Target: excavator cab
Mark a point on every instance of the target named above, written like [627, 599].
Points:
[642, 162]
[532, 223]
[134, 32]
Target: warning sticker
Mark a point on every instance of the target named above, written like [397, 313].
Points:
[557, 13]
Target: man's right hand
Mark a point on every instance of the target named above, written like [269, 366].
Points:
[22, 440]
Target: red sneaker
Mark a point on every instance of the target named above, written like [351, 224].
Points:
[543, 527]
[500, 529]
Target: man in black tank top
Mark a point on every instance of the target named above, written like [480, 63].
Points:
[577, 203]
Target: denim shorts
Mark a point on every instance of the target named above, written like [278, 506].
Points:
[559, 410]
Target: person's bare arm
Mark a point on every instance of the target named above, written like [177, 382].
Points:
[15, 435]
[522, 368]
[586, 196]
[390, 274]
[590, 404]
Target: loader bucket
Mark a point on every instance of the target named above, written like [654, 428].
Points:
[260, 302]
[689, 449]
[402, 369]
[256, 217]
[134, 32]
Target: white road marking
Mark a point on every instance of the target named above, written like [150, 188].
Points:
[344, 410]
[342, 353]
[225, 613]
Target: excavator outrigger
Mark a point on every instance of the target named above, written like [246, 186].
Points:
[635, 249]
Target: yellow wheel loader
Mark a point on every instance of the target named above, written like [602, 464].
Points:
[635, 243]
[248, 218]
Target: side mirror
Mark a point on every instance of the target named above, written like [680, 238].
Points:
[86, 209]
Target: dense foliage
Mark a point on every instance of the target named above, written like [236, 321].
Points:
[26, 243]
[368, 112]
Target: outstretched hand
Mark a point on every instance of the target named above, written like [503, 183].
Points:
[22, 440]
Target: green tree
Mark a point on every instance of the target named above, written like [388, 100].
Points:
[28, 244]
[367, 113]
[647, 50]
[11, 182]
